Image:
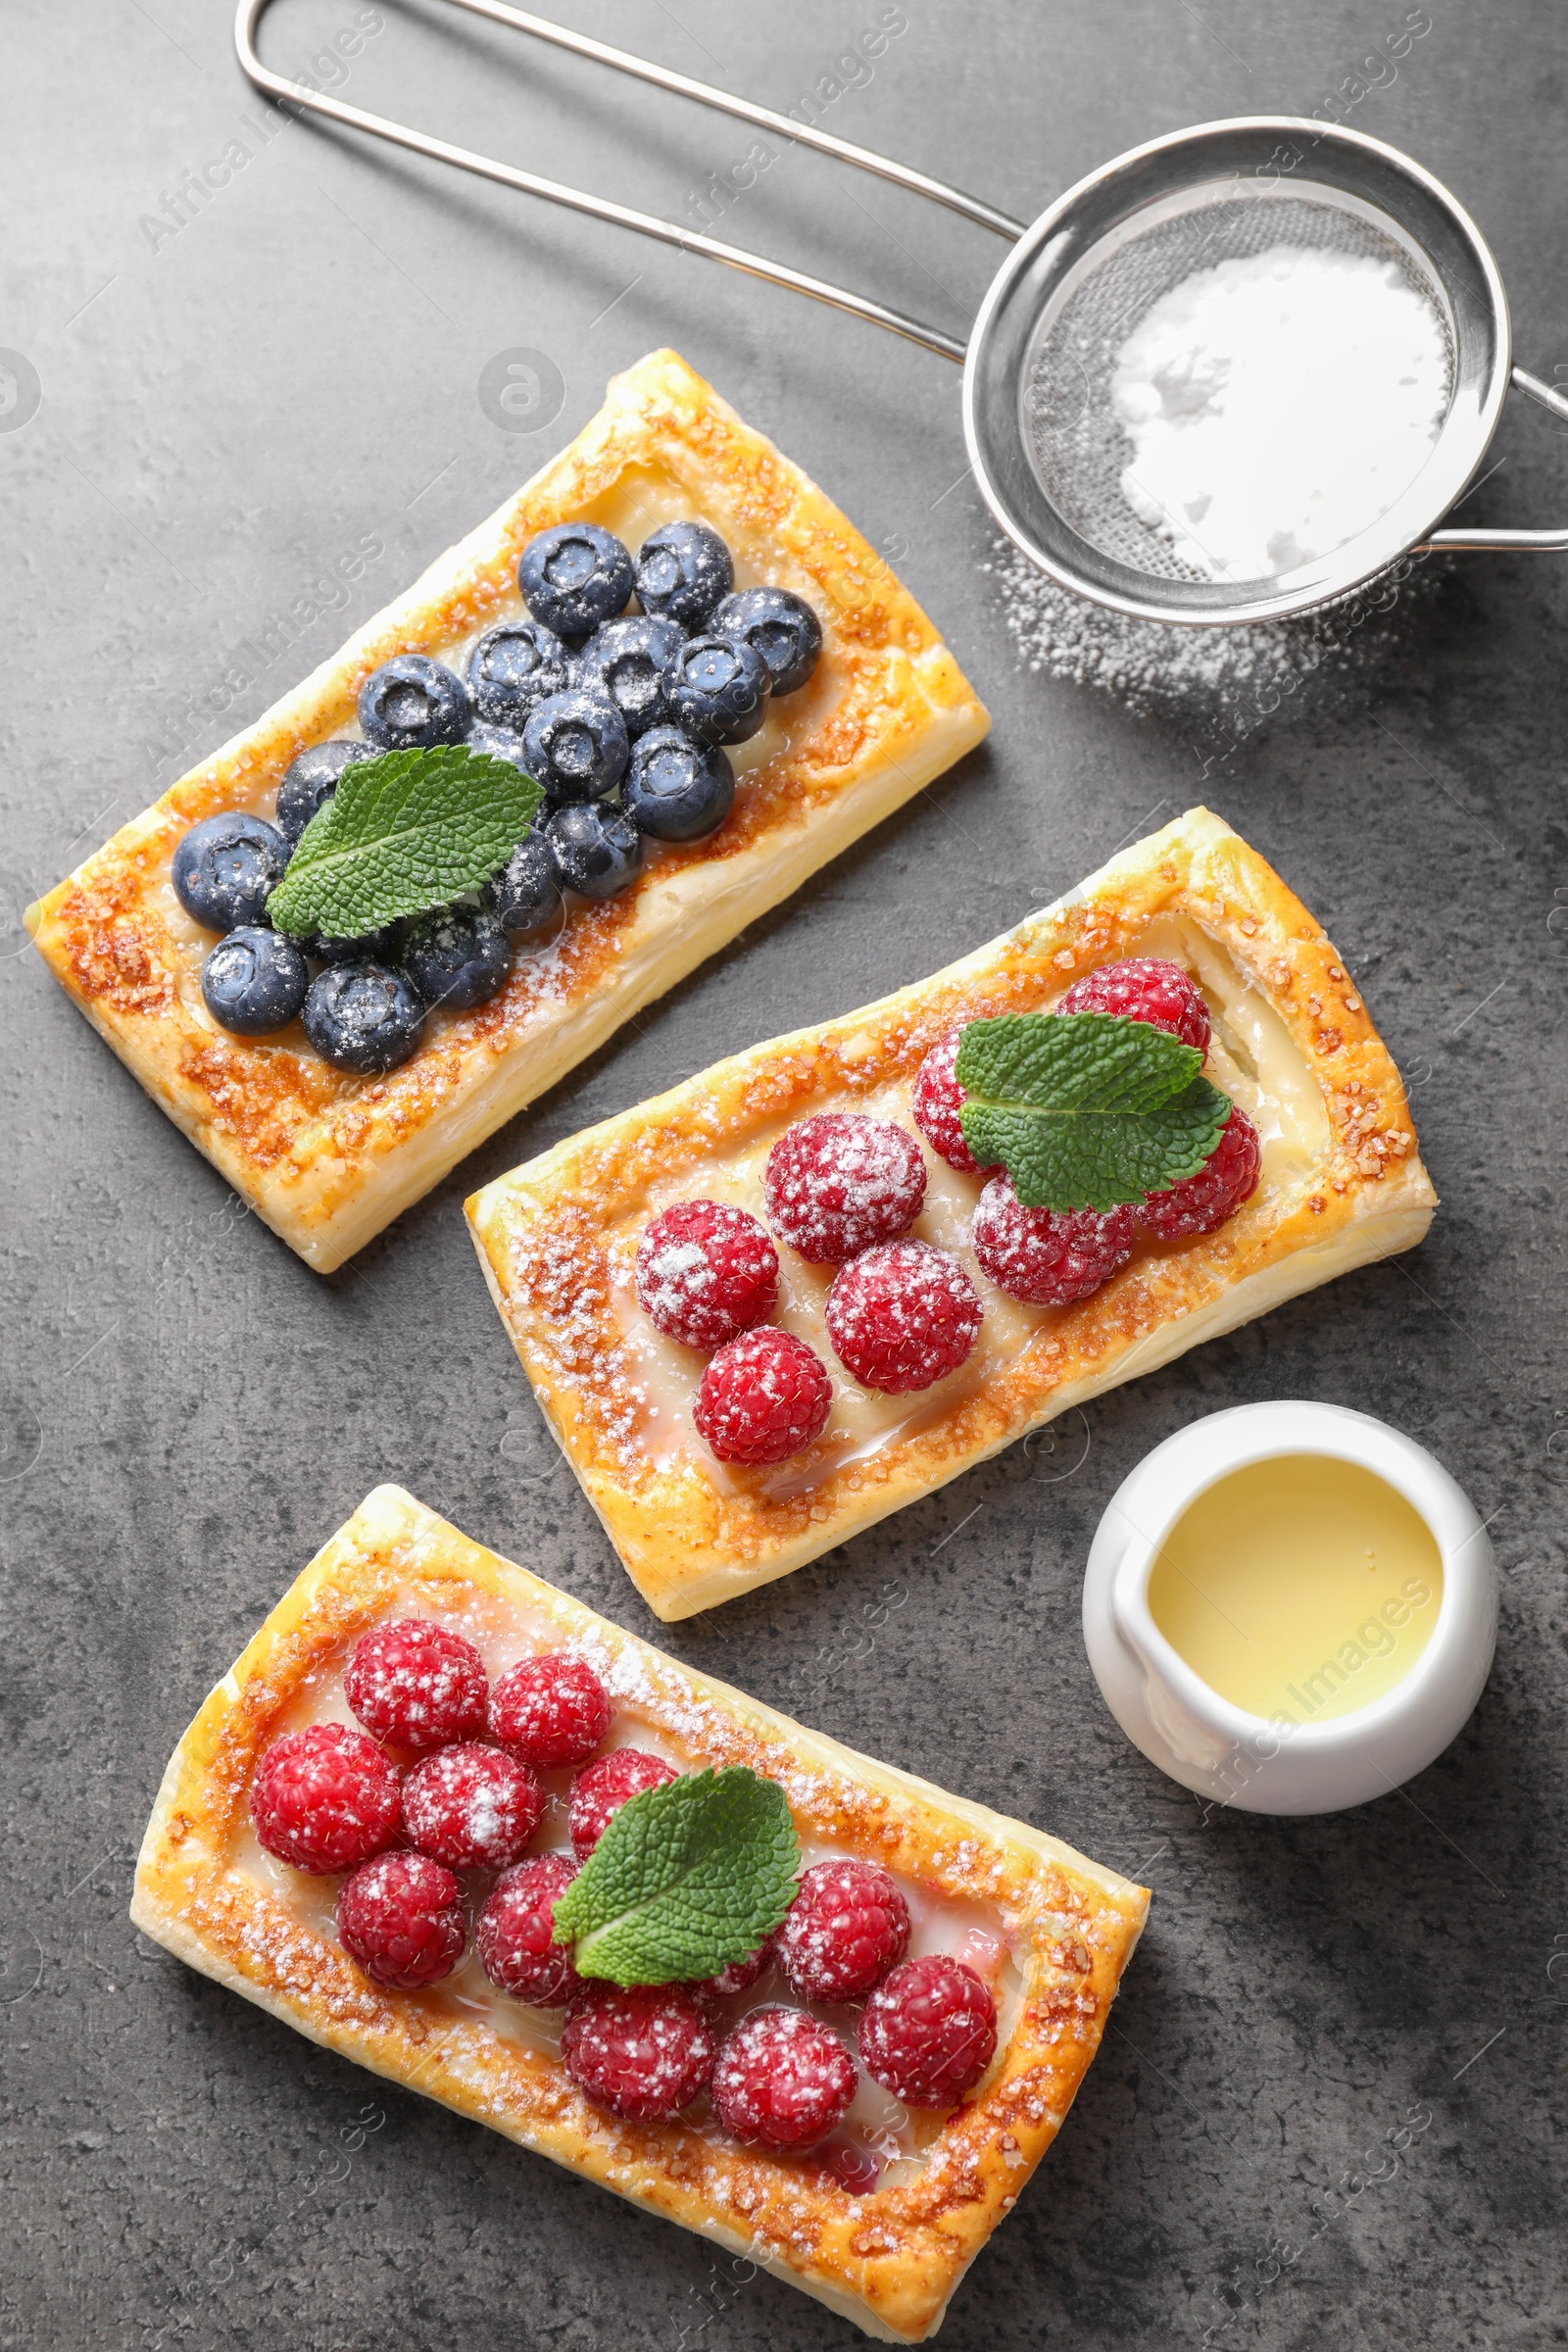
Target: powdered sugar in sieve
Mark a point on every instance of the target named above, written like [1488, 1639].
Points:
[1276, 403]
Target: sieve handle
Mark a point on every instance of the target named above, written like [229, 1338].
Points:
[1479, 543]
[248, 16]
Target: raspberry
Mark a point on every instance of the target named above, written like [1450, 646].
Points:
[846, 1927]
[400, 1918]
[928, 2032]
[604, 1789]
[765, 1397]
[782, 2080]
[643, 2054]
[324, 1798]
[705, 1273]
[739, 1977]
[938, 1098]
[840, 1183]
[1144, 990]
[472, 1807]
[1227, 1177]
[514, 1929]
[549, 1711]
[902, 1317]
[1046, 1256]
[417, 1685]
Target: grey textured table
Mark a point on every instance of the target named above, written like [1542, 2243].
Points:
[1328, 2106]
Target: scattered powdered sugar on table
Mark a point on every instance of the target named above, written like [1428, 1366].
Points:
[1276, 403]
[1221, 682]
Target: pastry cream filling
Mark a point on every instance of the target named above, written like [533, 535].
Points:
[877, 2125]
[636, 507]
[1251, 1056]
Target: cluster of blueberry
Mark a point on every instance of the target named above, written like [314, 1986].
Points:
[330, 1800]
[844, 1191]
[620, 719]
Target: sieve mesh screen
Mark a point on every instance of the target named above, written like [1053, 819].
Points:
[1077, 442]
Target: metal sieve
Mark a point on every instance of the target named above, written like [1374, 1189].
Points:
[1047, 445]
[1044, 444]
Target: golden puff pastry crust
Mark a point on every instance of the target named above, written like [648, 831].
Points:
[1343, 1184]
[888, 2260]
[326, 1159]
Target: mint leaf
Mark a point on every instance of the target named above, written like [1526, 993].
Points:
[1086, 1110]
[686, 1879]
[1064, 1061]
[403, 833]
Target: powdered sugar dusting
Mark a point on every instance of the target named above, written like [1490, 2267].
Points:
[1276, 403]
[1224, 682]
[681, 1263]
[561, 1271]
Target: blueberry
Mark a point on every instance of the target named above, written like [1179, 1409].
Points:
[310, 780]
[778, 625]
[361, 1016]
[718, 689]
[411, 704]
[254, 982]
[574, 577]
[627, 662]
[683, 570]
[675, 789]
[576, 746]
[514, 666]
[370, 946]
[599, 851]
[226, 866]
[525, 894]
[457, 957]
[501, 743]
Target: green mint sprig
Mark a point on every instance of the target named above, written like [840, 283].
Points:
[686, 1879]
[1086, 1110]
[403, 833]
